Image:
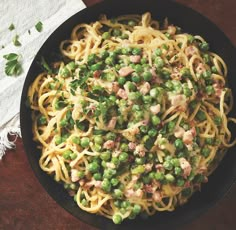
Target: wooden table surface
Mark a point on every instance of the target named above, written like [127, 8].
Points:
[24, 204]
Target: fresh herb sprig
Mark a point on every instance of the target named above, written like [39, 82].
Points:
[13, 65]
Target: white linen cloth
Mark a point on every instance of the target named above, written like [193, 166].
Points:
[24, 15]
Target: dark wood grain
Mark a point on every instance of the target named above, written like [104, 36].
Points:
[24, 204]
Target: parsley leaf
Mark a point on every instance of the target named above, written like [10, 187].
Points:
[45, 65]
[11, 27]
[39, 26]
[15, 41]
[13, 65]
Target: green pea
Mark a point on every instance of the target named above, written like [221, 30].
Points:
[121, 80]
[126, 51]
[136, 209]
[159, 62]
[139, 160]
[117, 203]
[147, 99]
[118, 193]
[155, 120]
[205, 152]
[167, 165]
[171, 126]
[84, 142]
[42, 120]
[177, 171]
[98, 139]
[159, 176]
[117, 219]
[152, 132]
[67, 154]
[58, 139]
[81, 174]
[180, 182]
[169, 177]
[110, 136]
[158, 52]
[185, 72]
[106, 35]
[214, 69]
[104, 54]
[131, 23]
[146, 179]
[123, 157]
[97, 66]
[210, 90]
[130, 86]
[136, 51]
[124, 147]
[133, 96]
[143, 60]
[110, 61]
[218, 120]
[175, 162]
[109, 173]
[186, 192]
[76, 140]
[116, 32]
[63, 123]
[73, 156]
[209, 141]
[115, 161]
[138, 68]
[105, 156]
[125, 204]
[124, 36]
[92, 58]
[204, 46]
[147, 76]
[201, 116]
[135, 78]
[106, 185]
[187, 92]
[114, 182]
[154, 93]
[179, 144]
[93, 167]
[207, 74]
[144, 129]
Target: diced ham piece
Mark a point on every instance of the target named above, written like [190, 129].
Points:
[148, 188]
[178, 101]
[132, 145]
[109, 144]
[97, 73]
[171, 30]
[155, 77]
[190, 50]
[74, 175]
[135, 58]
[115, 87]
[159, 167]
[188, 137]
[94, 183]
[148, 167]
[112, 123]
[218, 89]
[140, 150]
[125, 71]
[185, 165]
[179, 132]
[131, 193]
[200, 68]
[157, 196]
[122, 93]
[155, 109]
[145, 88]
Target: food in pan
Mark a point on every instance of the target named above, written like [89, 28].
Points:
[136, 120]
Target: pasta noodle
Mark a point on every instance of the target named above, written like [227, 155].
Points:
[136, 121]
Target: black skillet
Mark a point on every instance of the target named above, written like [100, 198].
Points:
[190, 21]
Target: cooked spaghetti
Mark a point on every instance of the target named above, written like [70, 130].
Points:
[136, 121]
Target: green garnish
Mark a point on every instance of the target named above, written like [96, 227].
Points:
[13, 65]
[39, 26]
